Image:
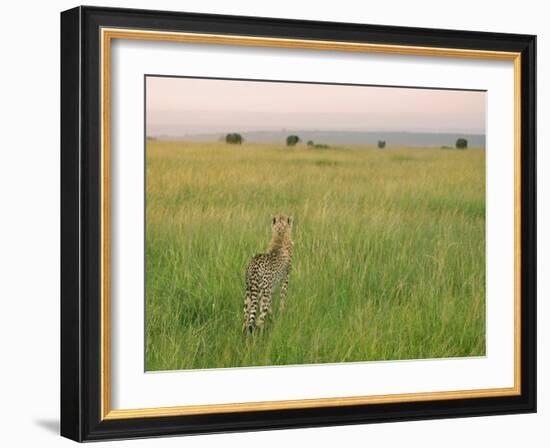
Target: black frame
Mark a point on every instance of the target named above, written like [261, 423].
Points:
[80, 223]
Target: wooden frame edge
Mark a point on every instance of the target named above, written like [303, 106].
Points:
[107, 34]
[306, 403]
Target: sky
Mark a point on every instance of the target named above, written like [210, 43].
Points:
[186, 106]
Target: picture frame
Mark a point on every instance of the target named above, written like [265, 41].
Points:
[87, 35]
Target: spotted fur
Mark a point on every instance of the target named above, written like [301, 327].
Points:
[267, 271]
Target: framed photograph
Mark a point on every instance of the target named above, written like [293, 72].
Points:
[276, 224]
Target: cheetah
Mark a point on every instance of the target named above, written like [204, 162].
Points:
[267, 271]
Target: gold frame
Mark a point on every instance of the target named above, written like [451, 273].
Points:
[107, 35]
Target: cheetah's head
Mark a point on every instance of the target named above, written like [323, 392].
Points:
[282, 224]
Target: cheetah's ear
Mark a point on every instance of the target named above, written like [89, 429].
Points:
[274, 220]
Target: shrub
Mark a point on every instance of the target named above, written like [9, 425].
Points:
[292, 140]
[381, 144]
[461, 143]
[310, 143]
[234, 139]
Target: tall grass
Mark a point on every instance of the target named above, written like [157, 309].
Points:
[389, 253]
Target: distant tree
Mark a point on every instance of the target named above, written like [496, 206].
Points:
[310, 143]
[381, 144]
[292, 140]
[461, 143]
[234, 139]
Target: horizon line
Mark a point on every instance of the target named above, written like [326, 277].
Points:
[295, 130]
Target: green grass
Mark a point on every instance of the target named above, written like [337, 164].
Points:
[389, 253]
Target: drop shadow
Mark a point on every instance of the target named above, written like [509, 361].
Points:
[49, 425]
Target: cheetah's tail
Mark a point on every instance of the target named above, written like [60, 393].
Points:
[247, 311]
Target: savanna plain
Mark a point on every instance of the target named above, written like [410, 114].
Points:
[388, 264]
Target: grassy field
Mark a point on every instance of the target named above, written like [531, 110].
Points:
[389, 253]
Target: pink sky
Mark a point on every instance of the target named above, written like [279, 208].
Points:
[178, 106]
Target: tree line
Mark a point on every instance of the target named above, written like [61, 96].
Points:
[292, 140]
